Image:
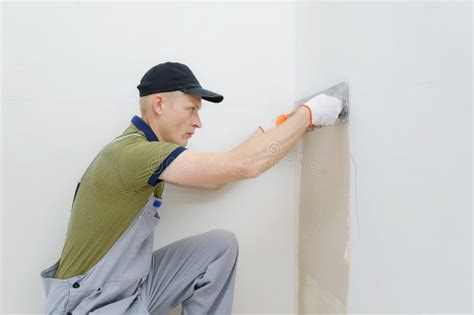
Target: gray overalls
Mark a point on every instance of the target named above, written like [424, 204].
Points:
[197, 272]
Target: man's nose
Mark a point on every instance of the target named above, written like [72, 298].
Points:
[197, 122]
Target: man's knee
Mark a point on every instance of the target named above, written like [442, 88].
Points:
[224, 240]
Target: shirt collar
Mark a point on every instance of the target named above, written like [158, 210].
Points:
[143, 126]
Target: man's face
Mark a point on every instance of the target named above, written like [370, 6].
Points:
[180, 118]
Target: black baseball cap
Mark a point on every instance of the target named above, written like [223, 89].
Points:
[174, 76]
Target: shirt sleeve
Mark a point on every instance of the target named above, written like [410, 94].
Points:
[141, 163]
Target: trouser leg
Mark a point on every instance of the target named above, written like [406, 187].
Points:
[197, 272]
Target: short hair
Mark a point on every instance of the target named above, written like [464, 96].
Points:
[145, 100]
[144, 103]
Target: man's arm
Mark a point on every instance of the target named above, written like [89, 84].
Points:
[199, 186]
[260, 153]
[252, 157]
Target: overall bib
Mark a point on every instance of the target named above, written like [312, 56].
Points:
[112, 286]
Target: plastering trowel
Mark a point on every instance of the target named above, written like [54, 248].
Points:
[341, 92]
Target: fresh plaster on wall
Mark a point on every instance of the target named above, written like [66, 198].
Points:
[324, 221]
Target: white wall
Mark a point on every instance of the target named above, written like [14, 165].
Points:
[71, 74]
[410, 76]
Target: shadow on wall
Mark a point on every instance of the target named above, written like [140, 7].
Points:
[324, 222]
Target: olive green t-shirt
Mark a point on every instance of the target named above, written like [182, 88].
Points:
[114, 188]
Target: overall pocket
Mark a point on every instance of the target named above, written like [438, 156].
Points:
[121, 306]
[112, 295]
[81, 302]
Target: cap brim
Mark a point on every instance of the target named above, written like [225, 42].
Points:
[205, 94]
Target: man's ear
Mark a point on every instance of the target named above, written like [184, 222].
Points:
[157, 104]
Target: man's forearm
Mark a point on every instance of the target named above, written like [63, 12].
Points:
[261, 151]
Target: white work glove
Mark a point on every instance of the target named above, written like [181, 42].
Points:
[324, 109]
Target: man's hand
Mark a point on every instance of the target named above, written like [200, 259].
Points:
[324, 109]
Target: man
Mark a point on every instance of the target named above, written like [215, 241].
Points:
[108, 265]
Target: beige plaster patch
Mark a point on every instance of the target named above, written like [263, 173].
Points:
[323, 249]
